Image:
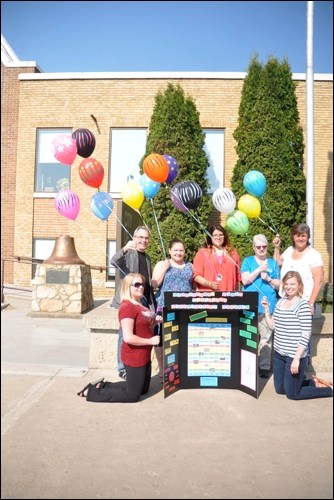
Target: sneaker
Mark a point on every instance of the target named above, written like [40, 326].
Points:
[122, 374]
[264, 373]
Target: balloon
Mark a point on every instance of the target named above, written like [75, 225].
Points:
[155, 167]
[64, 149]
[250, 205]
[133, 195]
[176, 198]
[85, 141]
[255, 183]
[190, 194]
[91, 172]
[224, 200]
[237, 222]
[101, 204]
[67, 203]
[149, 187]
[173, 168]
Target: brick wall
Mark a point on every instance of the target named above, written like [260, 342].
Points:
[129, 103]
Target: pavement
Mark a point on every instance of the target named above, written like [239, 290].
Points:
[197, 443]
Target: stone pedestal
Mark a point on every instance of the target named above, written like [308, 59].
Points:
[62, 288]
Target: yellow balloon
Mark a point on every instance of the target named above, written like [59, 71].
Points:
[250, 206]
[133, 195]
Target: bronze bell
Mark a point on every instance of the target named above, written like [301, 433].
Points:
[64, 252]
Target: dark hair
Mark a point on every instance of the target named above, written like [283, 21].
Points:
[173, 241]
[227, 244]
[300, 229]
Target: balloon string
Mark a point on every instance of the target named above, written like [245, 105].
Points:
[158, 228]
[271, 220]
[271, 229]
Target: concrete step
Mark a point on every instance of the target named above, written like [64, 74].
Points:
[103, 324]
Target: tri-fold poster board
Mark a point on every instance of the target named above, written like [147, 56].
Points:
[210, 340]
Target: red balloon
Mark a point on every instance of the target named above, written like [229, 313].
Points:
[156, 167]
[91, 172]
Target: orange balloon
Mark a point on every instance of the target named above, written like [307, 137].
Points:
[156, 167]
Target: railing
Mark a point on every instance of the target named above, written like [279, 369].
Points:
[31, 261]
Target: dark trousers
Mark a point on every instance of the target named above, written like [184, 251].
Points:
[137, 383]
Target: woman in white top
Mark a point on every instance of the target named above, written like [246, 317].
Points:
[303, 258]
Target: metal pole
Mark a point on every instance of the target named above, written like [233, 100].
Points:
[309, 121]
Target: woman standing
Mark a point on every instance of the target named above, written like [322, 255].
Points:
[301, 257]
[137, 322]
[217, 264]
[171, 275]
[292, 323]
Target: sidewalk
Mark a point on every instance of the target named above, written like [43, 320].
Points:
[204, 443]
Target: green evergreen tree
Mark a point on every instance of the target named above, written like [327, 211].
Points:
[175, 130]
[270, 140]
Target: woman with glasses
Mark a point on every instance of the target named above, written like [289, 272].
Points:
[217, 264]
[261, 274]
[137, 322]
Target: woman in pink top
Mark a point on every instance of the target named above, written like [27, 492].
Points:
[217, 265]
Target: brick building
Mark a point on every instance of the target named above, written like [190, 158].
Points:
[33, 101]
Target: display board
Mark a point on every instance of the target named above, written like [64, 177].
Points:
[210, 340]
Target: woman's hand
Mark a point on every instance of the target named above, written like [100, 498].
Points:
[294, 368]
[277, 241]
[155, 340]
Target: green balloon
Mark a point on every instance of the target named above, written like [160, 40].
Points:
[237, 222]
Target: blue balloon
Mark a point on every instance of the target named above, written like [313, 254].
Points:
[101, 204]
[255, 183]
[150, 188]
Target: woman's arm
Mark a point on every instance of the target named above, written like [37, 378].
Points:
[127, 325]
[159, 272]
[269, 319]
[318, 279]
[277, 254]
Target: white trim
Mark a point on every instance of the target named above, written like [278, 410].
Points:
[156, 75]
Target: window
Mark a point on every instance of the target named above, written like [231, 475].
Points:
[127, 149]
[50, 175]
[111, 270]
[214, 148]
[42, 249]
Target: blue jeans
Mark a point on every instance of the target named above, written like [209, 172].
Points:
[120, 364]
[296, 386]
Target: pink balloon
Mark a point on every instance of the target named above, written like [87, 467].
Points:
[67, 203]
[64, 149]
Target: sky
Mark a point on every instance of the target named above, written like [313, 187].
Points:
[172, 36]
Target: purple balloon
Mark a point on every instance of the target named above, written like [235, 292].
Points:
[85, 141]
[173, 168]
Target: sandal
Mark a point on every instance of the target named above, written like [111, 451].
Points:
[81, 393]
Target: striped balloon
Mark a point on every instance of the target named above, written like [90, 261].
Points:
[155, 167]
[85, 141]
[224, 200]
[67, 203]
[190, 194]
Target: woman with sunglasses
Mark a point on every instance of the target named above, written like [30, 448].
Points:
[137, 322]
[217, 264]
[261, 274]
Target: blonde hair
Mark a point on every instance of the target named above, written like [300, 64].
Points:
[294, 274]
[126, 286]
